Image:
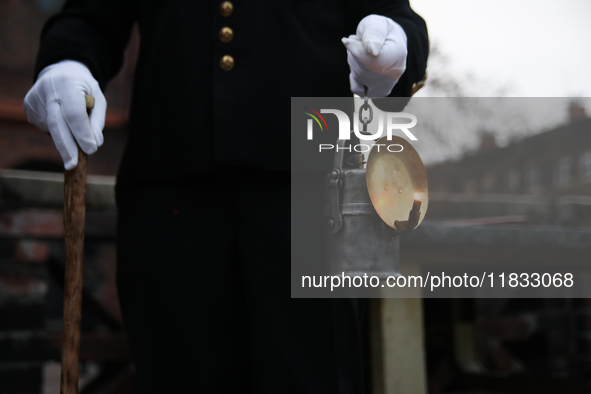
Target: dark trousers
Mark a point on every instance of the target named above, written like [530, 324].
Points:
[204, 286]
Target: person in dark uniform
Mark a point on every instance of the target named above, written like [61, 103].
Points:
[203, 226]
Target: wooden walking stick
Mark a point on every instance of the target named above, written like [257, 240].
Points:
[74, 216]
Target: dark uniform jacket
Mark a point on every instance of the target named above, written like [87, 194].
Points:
[188, 115]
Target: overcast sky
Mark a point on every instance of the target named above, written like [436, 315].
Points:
[538, 48]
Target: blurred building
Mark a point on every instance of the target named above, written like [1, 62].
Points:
[552, 163]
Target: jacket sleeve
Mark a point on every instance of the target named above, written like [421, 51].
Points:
[416, 32]
[93, 32]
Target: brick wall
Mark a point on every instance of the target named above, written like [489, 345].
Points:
[548, 164]
[23, 286]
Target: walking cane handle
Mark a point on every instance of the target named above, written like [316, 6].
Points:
[89, 102]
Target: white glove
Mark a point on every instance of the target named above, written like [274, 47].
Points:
[56, 104]
[376, 55]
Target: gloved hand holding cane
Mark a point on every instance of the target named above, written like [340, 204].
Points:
[56, 105]
[60, 103]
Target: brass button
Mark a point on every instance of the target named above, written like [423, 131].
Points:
[226, 35]
[227, 63]
[226, 9]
